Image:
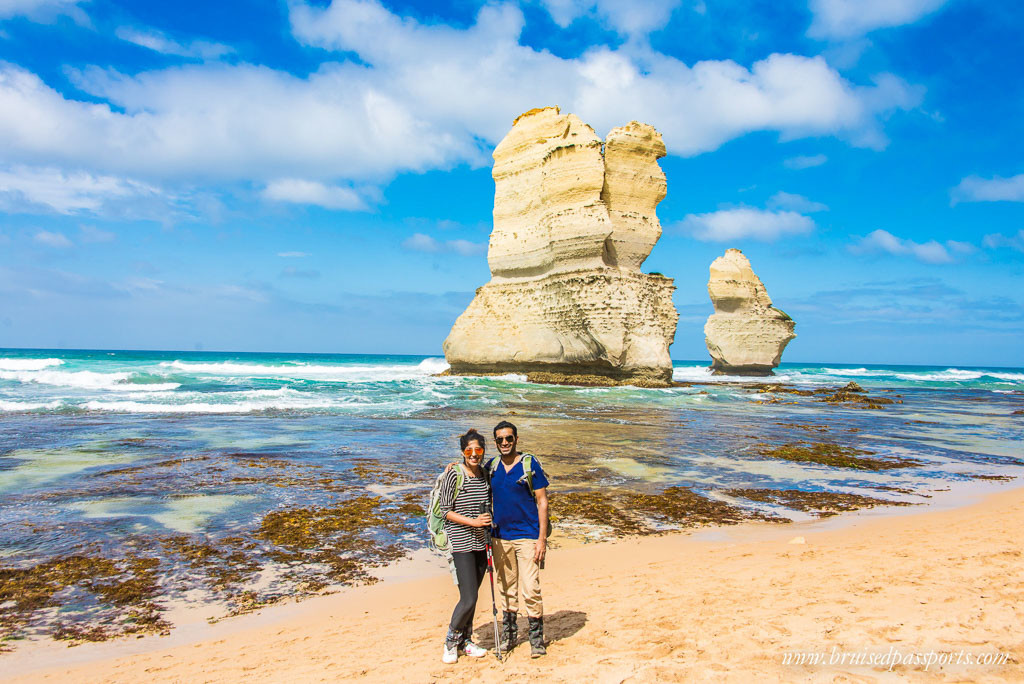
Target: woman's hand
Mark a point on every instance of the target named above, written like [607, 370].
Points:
[482, 520]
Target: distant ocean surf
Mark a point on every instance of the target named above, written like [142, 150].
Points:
[385, 386]
[260, 476]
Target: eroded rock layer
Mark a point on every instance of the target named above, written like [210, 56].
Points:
[746, 335]
[574, 219]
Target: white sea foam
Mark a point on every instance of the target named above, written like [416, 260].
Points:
[509, 377]
[704, 374]
[90, 380]
[433, 365]
[853, 371]
[200, 407]
[7, 364]
[948, 375]
[691, 373]
[29, 405]
[1012, 377]
[248, 401]
[323, 373]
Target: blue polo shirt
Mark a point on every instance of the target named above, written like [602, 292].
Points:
[515, 511]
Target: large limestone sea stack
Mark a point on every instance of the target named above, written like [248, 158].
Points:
[746, 334]
[574, 218]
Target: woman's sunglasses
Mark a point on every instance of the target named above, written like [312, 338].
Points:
[473, 451]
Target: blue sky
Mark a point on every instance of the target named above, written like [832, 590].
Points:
[305, 176]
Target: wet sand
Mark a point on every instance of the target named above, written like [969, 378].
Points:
[727, 605]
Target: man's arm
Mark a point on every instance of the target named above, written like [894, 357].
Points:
[542, 515]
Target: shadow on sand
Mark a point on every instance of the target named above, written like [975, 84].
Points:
[557, 626]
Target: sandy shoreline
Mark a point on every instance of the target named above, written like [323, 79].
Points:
[673, 608]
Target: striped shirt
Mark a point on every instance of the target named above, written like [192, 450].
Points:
[475, 493]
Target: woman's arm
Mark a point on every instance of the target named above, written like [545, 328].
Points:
[482, 520]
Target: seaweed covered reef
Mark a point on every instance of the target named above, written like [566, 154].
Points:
[116, 597]
[819, 503]
[599, 514]
[834, 455]
[850, 395]
[94, 593]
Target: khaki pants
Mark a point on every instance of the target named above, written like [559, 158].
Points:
[517, 570]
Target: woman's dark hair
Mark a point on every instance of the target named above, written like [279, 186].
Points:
[471, 436]
[505, 424]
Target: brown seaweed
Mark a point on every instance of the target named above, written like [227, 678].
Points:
[636, 514]
[835, 455]
[819, 503]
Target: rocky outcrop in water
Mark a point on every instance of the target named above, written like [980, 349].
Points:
[574, 218]
[746, 334]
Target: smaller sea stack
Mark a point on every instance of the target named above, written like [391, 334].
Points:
[746, 334]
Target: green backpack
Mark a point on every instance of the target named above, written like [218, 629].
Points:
[438, 538]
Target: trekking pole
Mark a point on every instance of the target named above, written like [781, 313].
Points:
[490, 571]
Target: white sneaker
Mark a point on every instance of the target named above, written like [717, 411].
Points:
[450, 655]
[474, 651]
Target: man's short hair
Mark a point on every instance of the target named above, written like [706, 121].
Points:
[503, 425]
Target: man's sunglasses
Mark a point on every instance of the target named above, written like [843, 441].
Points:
[473, 451]
[504, 440]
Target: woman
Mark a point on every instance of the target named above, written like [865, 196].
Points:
[466, 525]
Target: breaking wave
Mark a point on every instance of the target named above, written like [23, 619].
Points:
[325, 373]
[118, 382]
[7, 364]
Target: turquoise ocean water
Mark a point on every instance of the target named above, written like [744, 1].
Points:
[102, 449]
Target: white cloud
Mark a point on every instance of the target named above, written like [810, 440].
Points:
[976, 189]
[791, 202]
[466, 248]
[844, 19]
[299, 191]
[483, 77]
[624, 16]
[931, 252]
[421, 242]
[158, 42]
[293, 255]
[58, 240]
[805, 162]
[998, 240]
[94, 234]
[960, 247]
[43, 10]
[744, 222]
[419, 97]
[26, 188]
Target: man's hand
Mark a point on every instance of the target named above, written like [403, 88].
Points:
[451, 465]
[541, 549]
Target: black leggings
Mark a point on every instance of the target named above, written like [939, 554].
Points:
[470, 568]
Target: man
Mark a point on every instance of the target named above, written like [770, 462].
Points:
[520, 535]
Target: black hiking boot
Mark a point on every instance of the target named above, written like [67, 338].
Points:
[509, 632]
[537, 638]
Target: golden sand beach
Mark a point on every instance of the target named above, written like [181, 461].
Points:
[936, 590]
